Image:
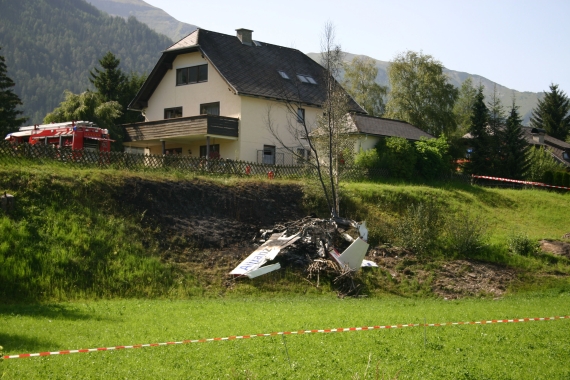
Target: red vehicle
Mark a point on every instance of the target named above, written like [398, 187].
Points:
[80, 135]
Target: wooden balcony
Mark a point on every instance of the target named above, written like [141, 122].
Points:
[182, 127]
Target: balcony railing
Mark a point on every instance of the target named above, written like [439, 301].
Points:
[182, 126]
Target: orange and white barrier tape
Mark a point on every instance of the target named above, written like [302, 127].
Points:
[519, 181]
[299, 332]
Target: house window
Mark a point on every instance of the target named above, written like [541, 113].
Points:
[171, 113]
[283, 74]
[269, 154]
[214, 151]
[566, 156]
[193, 74]
[210, 109]
[301, 115]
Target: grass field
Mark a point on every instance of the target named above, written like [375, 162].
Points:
[533, 350]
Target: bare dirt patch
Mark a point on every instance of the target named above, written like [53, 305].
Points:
[555, 247]
[449, 279]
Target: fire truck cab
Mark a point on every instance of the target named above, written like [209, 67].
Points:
[80, 135]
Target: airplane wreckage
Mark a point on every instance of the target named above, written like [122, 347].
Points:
[312, 243]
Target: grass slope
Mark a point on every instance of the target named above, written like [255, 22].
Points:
[68, 238]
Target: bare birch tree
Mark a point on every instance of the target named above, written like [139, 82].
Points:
[327, 139]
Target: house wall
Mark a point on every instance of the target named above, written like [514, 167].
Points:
[365, 143]
[190, 96]
[254, 132]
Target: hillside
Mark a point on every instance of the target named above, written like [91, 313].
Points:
[50, 46]
[525, 100]
[157, 19]
[104, 233]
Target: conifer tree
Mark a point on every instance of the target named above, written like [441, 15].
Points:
[552, 113]
[10, 118]
[514, 147]
[110, 81]
[495, 128]
[478, 163]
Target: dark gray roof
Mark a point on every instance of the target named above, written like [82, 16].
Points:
[249, 70]
[556, 147]
[379, 126]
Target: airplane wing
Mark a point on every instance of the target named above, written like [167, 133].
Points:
[353, 256]
[252, 265]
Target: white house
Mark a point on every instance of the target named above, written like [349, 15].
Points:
[209, 95]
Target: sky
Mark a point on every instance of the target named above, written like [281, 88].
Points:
[523, 45]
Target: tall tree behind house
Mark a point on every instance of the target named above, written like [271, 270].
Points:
[420, 93]
[514, 147]
[552, 113]
[480, 141]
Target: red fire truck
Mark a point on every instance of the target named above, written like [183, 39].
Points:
[80, 135]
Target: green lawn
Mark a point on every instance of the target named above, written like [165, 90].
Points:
[512, 351]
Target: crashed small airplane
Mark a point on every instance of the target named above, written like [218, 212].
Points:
[317, 233]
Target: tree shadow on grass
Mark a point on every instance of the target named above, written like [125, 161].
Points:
[21, 344]
[51, 311]
[486, 196]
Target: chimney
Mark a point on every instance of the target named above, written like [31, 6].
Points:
[538, 135]
[244, 36]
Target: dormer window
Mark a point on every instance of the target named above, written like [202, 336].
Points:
[283, 74]
[306, 79]
[192, 74]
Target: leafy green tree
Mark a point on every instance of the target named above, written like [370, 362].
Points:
[552, 113]
[463, 106]
[514, 147]
[433, 157]
[360, 82]
[88, 106]
[10, 118]
[420, 93]
[540, 162]
[480, 138]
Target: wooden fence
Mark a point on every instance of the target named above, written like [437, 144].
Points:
[38, 153]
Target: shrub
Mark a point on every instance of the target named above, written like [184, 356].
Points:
[558, 178]
[540, 162]
[548, 177]
[433, 157]
[466, 233]
[367, 159]
[420, 227]
[566, 181]
[521, 244]
[398, 155]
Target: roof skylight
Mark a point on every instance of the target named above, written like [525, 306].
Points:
[306, 79]
[257, 43]
[283, 74]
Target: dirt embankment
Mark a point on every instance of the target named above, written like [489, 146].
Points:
[208, 215]
[213, 225]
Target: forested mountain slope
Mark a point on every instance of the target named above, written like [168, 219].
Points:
[50, 46]
[155, 18]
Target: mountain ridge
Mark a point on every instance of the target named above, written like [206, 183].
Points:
[157, 19]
